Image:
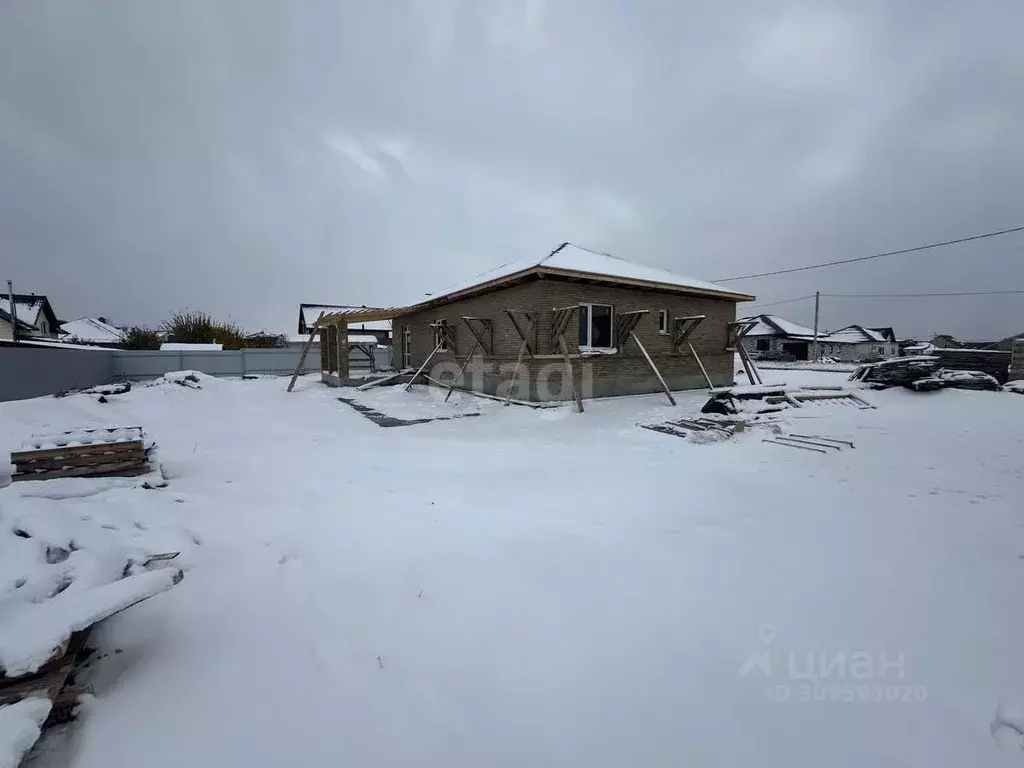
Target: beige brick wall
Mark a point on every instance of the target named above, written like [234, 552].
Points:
[622, 373]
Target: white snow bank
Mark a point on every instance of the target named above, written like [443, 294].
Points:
[32, 632]
[190, 379]
[1015, 386]
[20, 726]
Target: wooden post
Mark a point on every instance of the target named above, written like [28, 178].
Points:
[461, 371]
[702, 369]
[654, 368]
[519, 359]
[748, 364]
[568, 373]
[342, 342]
[420, 370]
[305, 351]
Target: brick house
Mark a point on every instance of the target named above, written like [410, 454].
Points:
[855, 342]
[593, 297]
[774, 334]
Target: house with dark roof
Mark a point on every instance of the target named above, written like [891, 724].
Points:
[522, 328]
[35, 317]
[774, 335]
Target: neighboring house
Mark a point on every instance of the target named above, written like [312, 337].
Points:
[945, 341]
[595, 294]
[308, 313]
[774, 334]
[36, 319]
[855, 342]
[92, 331]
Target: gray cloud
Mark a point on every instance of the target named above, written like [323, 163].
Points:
[242, 157]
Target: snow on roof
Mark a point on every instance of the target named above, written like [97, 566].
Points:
[362, 338]
[761, 329]
[173, 346]
[28, 307]
[90, 329]
[569, 258]
[854, 334]
[767, 325]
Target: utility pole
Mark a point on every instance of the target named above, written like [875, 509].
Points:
[817, 301]
[13, 312]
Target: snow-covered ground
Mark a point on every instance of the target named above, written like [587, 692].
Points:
[544, 588]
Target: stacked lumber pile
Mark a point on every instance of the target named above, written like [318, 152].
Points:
[898, 372]
[922, 374]
[43, 643]
[118, 451]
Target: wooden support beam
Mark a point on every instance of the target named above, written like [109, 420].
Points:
[568, 373]
[385, 380]
[702, 368]
[524, 334]
[462, 370]
[484, 335]
[625, 322]
[752, 372]
[420, 370]
[682, 327]
[736, 330]
[341, 341]
[559, 322]
[305, 351]
[650, 362]
[525, 345]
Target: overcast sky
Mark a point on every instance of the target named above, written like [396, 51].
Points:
[242, 157]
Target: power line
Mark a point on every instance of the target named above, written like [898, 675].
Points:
[873, 256]
[776, 303]
[918, 295]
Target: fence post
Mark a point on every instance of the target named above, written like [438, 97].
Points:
[244, 368]
[181, 360]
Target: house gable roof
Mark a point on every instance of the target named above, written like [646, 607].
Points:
[773, 325]
[858, 334]
[28, 308]
[568, 260]
[89, 329]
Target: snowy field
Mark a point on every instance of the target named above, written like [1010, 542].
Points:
[543, 588]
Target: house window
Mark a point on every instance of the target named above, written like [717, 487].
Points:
[763, 345]
[663, 321]
[406, 347]
[440, 338]
[596, 326]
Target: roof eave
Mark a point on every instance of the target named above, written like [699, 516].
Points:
[649, 284]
